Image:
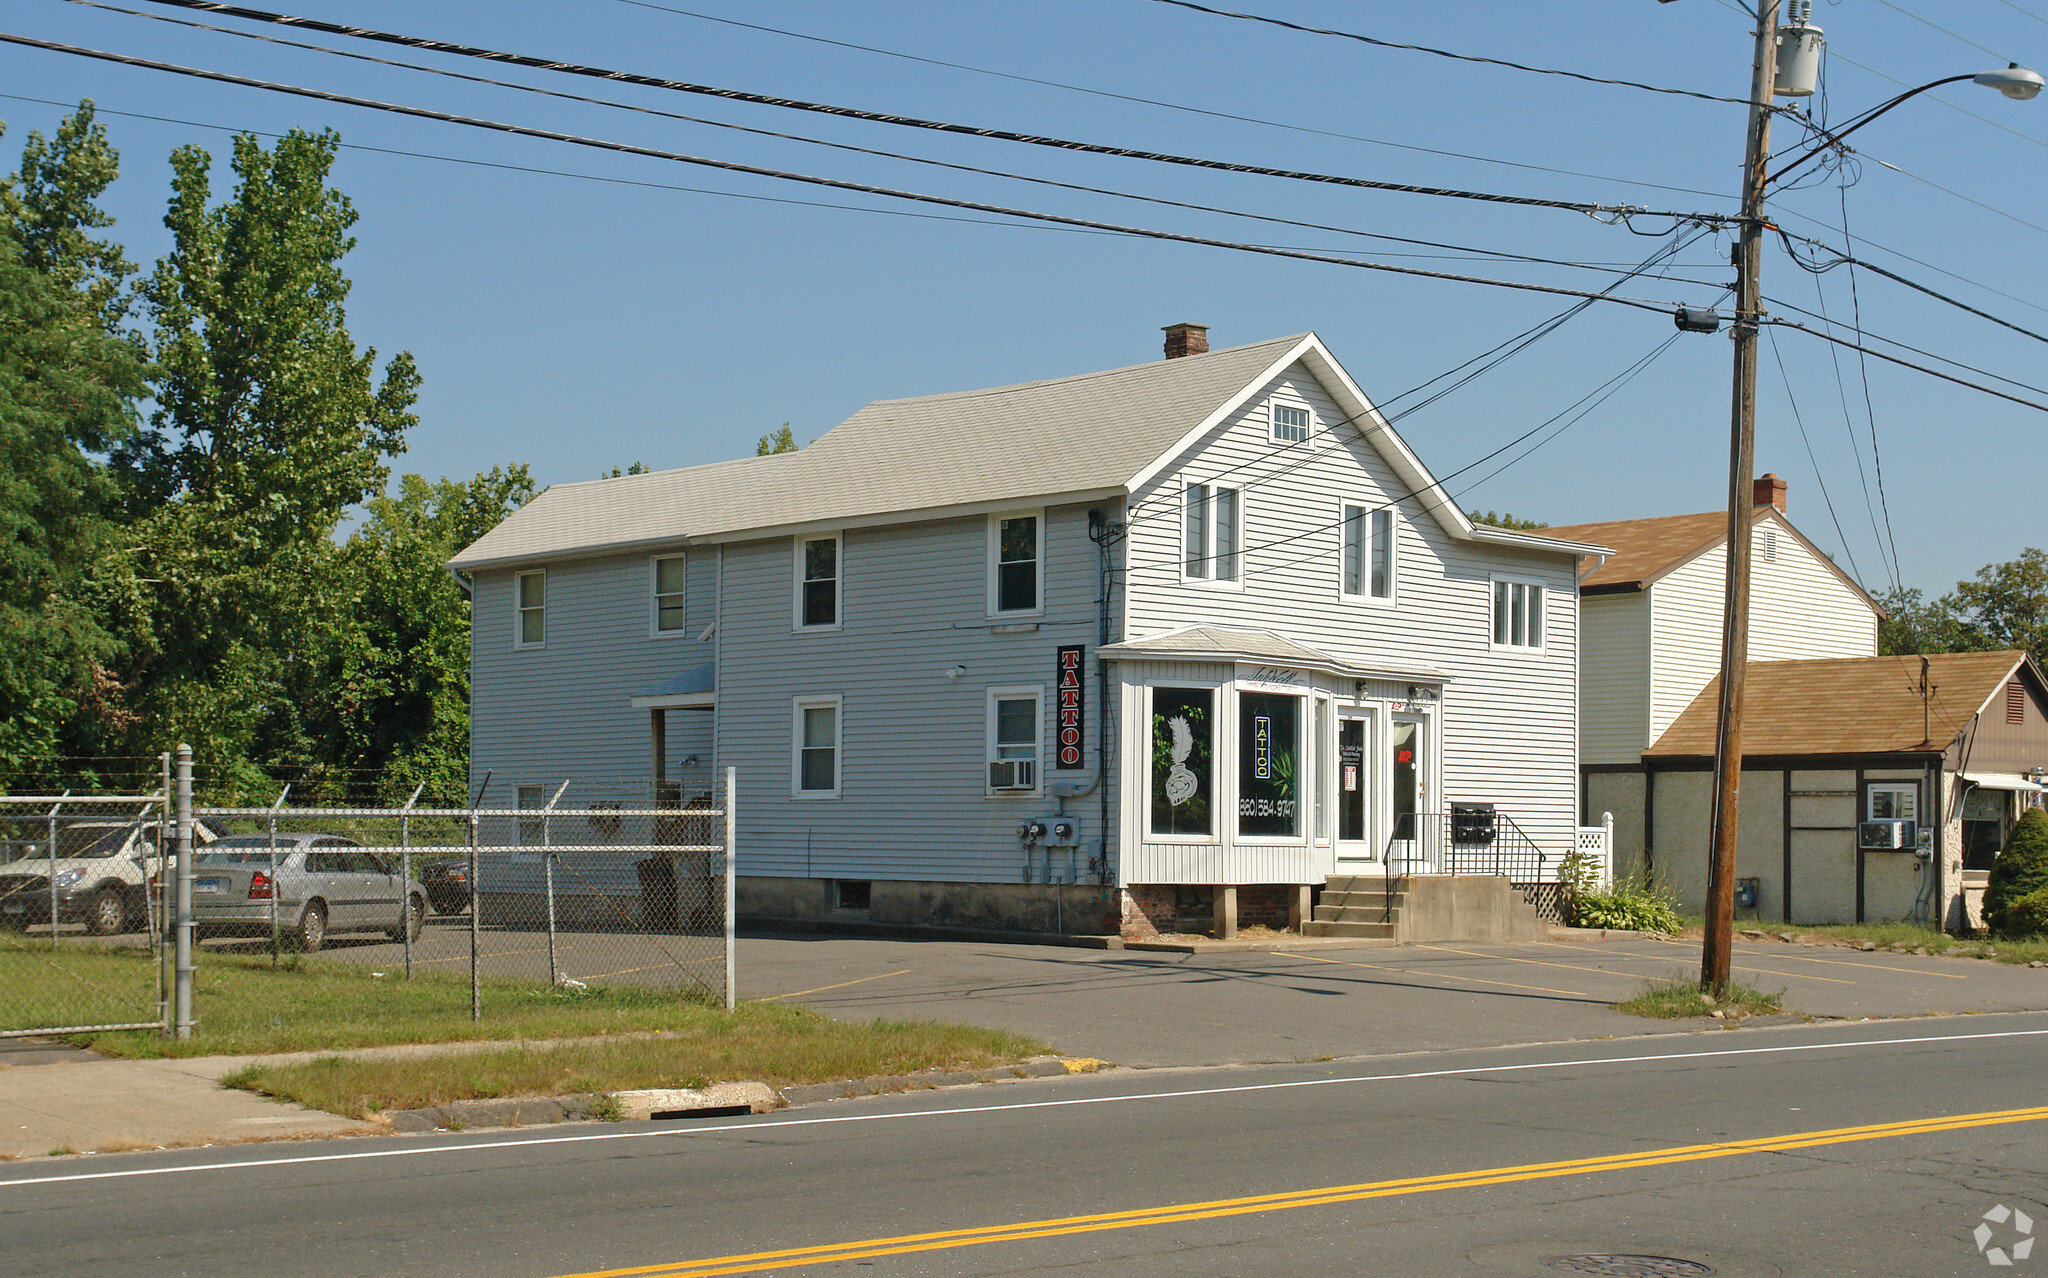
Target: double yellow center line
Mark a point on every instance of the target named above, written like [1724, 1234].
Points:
[1220, 1208]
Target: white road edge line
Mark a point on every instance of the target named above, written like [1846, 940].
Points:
[826, 1120]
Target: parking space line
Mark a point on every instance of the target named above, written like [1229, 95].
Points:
[1658, 958]
[822, 988]
[1446, 976]
[1881, 967]
[1509, 958]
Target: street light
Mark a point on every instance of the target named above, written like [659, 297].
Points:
[1786, 65]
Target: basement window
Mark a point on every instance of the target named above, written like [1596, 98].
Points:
[851, 894]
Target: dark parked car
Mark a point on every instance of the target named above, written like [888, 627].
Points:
[447, 885]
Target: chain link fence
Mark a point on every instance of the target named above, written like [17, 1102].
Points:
[573, 883]
[82, 921]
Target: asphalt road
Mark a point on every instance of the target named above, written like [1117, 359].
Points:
[1861, 1149]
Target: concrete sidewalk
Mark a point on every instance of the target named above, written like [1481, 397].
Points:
[1209, 1008]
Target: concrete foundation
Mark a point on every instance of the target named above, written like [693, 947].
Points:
[1464, 908]
[1072, 909]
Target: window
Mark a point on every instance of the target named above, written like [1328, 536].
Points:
[1517, 614]
[1368, 553]
[814, 772]
[1268, 764]
[852, 894]
[530, 830]
[1015, 565]
[668, 595]
[531, 628]
[1290, 424]
[1014, 727]
[1213, 538]
[1892, 801]
[1770, 545]
[817, 582]
[1183, 759]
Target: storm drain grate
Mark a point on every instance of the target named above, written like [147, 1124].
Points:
[1613, 1266]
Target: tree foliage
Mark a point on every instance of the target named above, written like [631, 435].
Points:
[781, 441]
[2003, 606]
[2020, 871]
[1505, 520]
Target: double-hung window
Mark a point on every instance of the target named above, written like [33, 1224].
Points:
[1212, 540]
[1892, 801]
[1290, 424]
[668, 595]
[814, 748]
[530, 629]
[1015, 727]
[817, 582]
[532, 831]
[1368, 553]
[1517, 614]
[1016, 563]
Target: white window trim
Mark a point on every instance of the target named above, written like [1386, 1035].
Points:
[1871, 789]
[654, 596]
[1530, 650]
[1393, 558]
[519, 611]
[995, 553]
[1212, 582]
[1015, 692]
[797, 706]
[1273, 407]
[1304, 811]
[1224, 719]
[796, 587]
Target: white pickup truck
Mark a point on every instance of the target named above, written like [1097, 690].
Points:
[103, 872]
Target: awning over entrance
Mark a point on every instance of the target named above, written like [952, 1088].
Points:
[695, 688]
[1266, 647]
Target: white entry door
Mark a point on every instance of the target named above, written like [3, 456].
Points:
[1353, 790]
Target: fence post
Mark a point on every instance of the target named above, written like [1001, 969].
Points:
[276, 890]
[547, 862]
[184, 905]
[1607, 849]
[55, 808]
[405, 874]
[476, 909]
[731, 889]
[160, 908]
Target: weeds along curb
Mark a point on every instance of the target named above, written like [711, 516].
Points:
[536, 1111]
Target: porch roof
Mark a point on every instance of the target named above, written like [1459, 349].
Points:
[1229, 644]
[697, 686]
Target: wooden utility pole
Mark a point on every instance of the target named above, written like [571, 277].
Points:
[1717, 956]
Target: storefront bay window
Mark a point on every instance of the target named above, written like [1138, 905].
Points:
[1269, 771]
[1183, 761]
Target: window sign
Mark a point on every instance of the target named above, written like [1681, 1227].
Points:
[1183, 756]
[1073, 704]
[1269, 771]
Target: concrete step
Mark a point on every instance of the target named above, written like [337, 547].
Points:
[1355, 883]
[1358, 898]
[1385, 930]
[1356, 914]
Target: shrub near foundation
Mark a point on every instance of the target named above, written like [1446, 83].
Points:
[2020, 871]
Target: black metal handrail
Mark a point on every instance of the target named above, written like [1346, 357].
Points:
[1469, 839]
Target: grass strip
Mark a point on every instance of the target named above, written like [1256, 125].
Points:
[776, 1045]
[1679, 997]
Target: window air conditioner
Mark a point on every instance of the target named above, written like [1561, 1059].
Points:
[1013, 774]
[1885, 836]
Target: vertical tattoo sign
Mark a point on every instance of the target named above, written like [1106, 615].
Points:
[1073, 703]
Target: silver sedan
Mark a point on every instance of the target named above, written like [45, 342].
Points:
[307, 886]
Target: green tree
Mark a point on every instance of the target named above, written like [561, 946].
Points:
[269, 425]
[1915, 624]
[68, 388]
[2020, 870]
[1505, 520]
[781, 441]
[2006, 605]
[395, 696]
[637, 468]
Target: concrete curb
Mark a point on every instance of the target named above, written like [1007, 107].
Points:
[645, 1105]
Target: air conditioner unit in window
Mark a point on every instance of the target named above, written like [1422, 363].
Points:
[1885, 836]
[1013, 774]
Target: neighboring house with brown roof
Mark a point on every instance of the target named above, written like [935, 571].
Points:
[1831, 746]
[1077, 655]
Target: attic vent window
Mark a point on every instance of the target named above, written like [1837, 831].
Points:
[1770, 545]
[2015, 703]
[1290, 425]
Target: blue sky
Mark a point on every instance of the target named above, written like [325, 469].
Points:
[576, 324]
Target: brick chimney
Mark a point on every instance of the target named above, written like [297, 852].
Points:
[1186, 339]
[1770, 491]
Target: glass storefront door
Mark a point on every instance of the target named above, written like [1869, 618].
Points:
[1354, 788]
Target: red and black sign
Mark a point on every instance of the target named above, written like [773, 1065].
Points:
[1071, 751]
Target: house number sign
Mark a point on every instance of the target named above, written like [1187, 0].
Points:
[1071, 752]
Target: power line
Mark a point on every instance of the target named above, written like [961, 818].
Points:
[1800, 421]
[1608, 211]
[1907, 363]
[2029, 12]
[1950, 360]
[1899, 8]
[1445, 53]
[1843, 259]
[1869, 408]
[1918, 261]
[1159, 102]
[732, 166]
[1981, 119]
[1480, 253]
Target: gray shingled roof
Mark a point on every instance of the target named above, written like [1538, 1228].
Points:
[1009, 443]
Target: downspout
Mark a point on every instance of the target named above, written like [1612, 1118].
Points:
[1104, 534]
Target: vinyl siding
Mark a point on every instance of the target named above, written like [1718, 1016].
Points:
[1798, 609]
[1509, 719]
[912, 802]
[1614, 678]
[564, 710]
